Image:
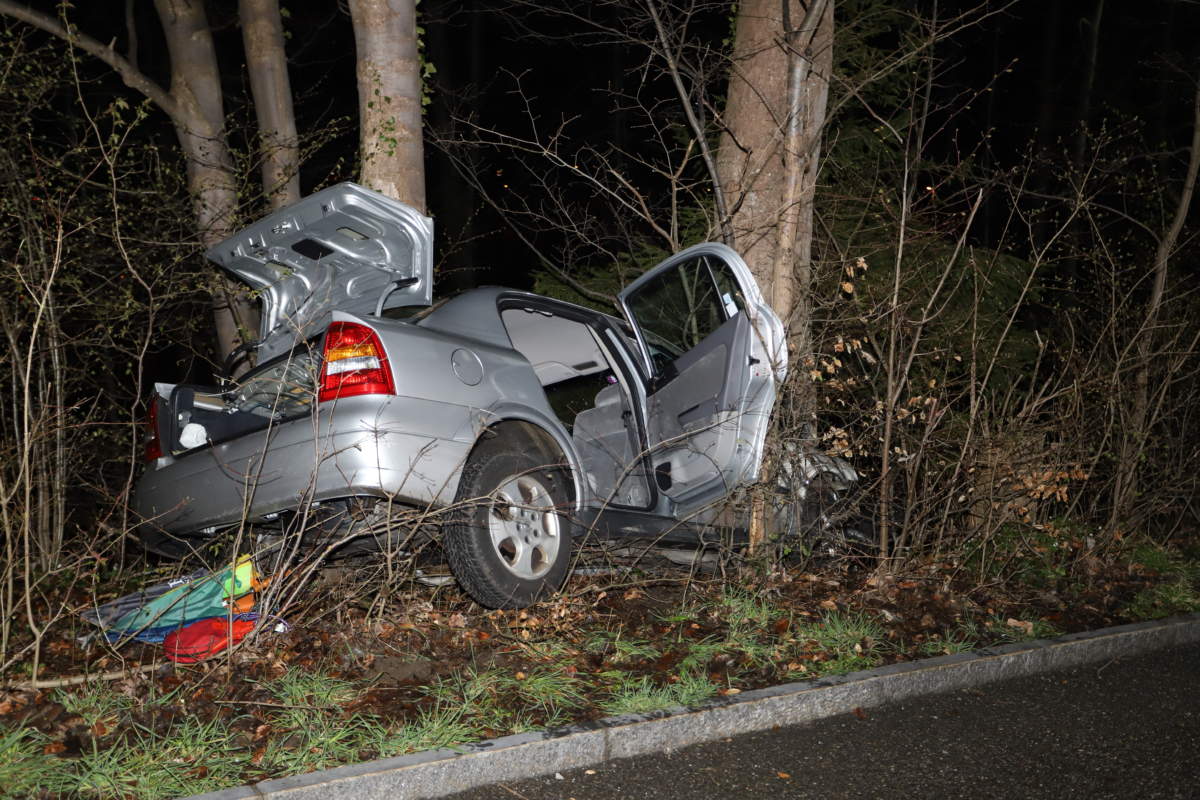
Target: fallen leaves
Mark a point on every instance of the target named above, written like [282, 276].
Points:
[1023, 625]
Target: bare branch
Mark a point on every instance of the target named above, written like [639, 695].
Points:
[697, 129]
[130, 74]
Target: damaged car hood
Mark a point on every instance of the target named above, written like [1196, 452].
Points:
[344, 248]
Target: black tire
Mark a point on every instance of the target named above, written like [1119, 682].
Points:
[508, 538]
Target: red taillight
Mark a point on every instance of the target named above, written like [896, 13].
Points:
[354, 363]
[153, 442]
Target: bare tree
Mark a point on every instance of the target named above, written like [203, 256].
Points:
[194, 103]
[389, 98]
[1148, 343]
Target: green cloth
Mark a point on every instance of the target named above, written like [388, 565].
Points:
[202, 597]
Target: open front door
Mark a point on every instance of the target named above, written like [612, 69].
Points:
[713, 351]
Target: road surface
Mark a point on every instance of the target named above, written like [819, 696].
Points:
[1121, 729]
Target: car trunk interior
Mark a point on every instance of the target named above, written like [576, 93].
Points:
[282, 389]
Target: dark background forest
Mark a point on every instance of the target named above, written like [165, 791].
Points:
[986, 255]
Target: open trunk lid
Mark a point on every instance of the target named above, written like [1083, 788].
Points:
[345, 247]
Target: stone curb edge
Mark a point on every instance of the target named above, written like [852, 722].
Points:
[438, 773]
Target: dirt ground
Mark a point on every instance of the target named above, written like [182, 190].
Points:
[420, 656]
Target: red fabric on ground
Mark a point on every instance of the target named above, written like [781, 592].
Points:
[205, 638]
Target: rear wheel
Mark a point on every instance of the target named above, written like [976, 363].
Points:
[508, 537]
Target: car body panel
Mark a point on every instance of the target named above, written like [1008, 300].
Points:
[409, 447]
[344, 247]
[459, 369]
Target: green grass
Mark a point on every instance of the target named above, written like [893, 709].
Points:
[433, 729]
[549, 650]
[642, 695]
[317, 739]
[312, 732]
[94, 703]
[25, 769]
[1155, 558]
[615, 647]
[1034, 629]
[1176, 596]
[499, 700]
[297, 687]
[191, 758]
[748, 640]
[847, 641]
[1019, 553]
[739, 608]
[549, 689]
[1179, 591]
[962, 640]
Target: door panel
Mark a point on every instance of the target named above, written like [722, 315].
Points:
[713, 350]
[694, 415]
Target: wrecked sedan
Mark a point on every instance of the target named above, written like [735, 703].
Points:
[528, 419]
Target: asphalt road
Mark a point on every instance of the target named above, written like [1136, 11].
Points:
[1123, 729]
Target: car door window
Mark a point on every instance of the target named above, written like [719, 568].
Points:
[678, 309]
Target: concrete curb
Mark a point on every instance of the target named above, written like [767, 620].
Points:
[442, 772]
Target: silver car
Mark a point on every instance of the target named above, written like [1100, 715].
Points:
[527, 420]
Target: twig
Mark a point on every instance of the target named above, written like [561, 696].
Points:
[74, 680]
[269, 704]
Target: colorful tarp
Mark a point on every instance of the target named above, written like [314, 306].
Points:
[207, 637]
[151, 614]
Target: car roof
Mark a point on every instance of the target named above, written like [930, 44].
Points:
[472, 313]
[475, 313]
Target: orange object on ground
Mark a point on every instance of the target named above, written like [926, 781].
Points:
[242, 605]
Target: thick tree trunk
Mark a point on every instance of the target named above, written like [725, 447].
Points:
[770, 148]
[389, 98]
[768, 163]
[200, 125]
[266, 60]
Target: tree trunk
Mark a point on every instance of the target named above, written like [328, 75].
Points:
[200, 125]
[770, 148]
[767, 166]
[266, 60]
[389, 98]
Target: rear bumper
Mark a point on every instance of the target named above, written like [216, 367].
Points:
[395, 447]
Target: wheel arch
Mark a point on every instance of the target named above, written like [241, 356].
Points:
[554, 445]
